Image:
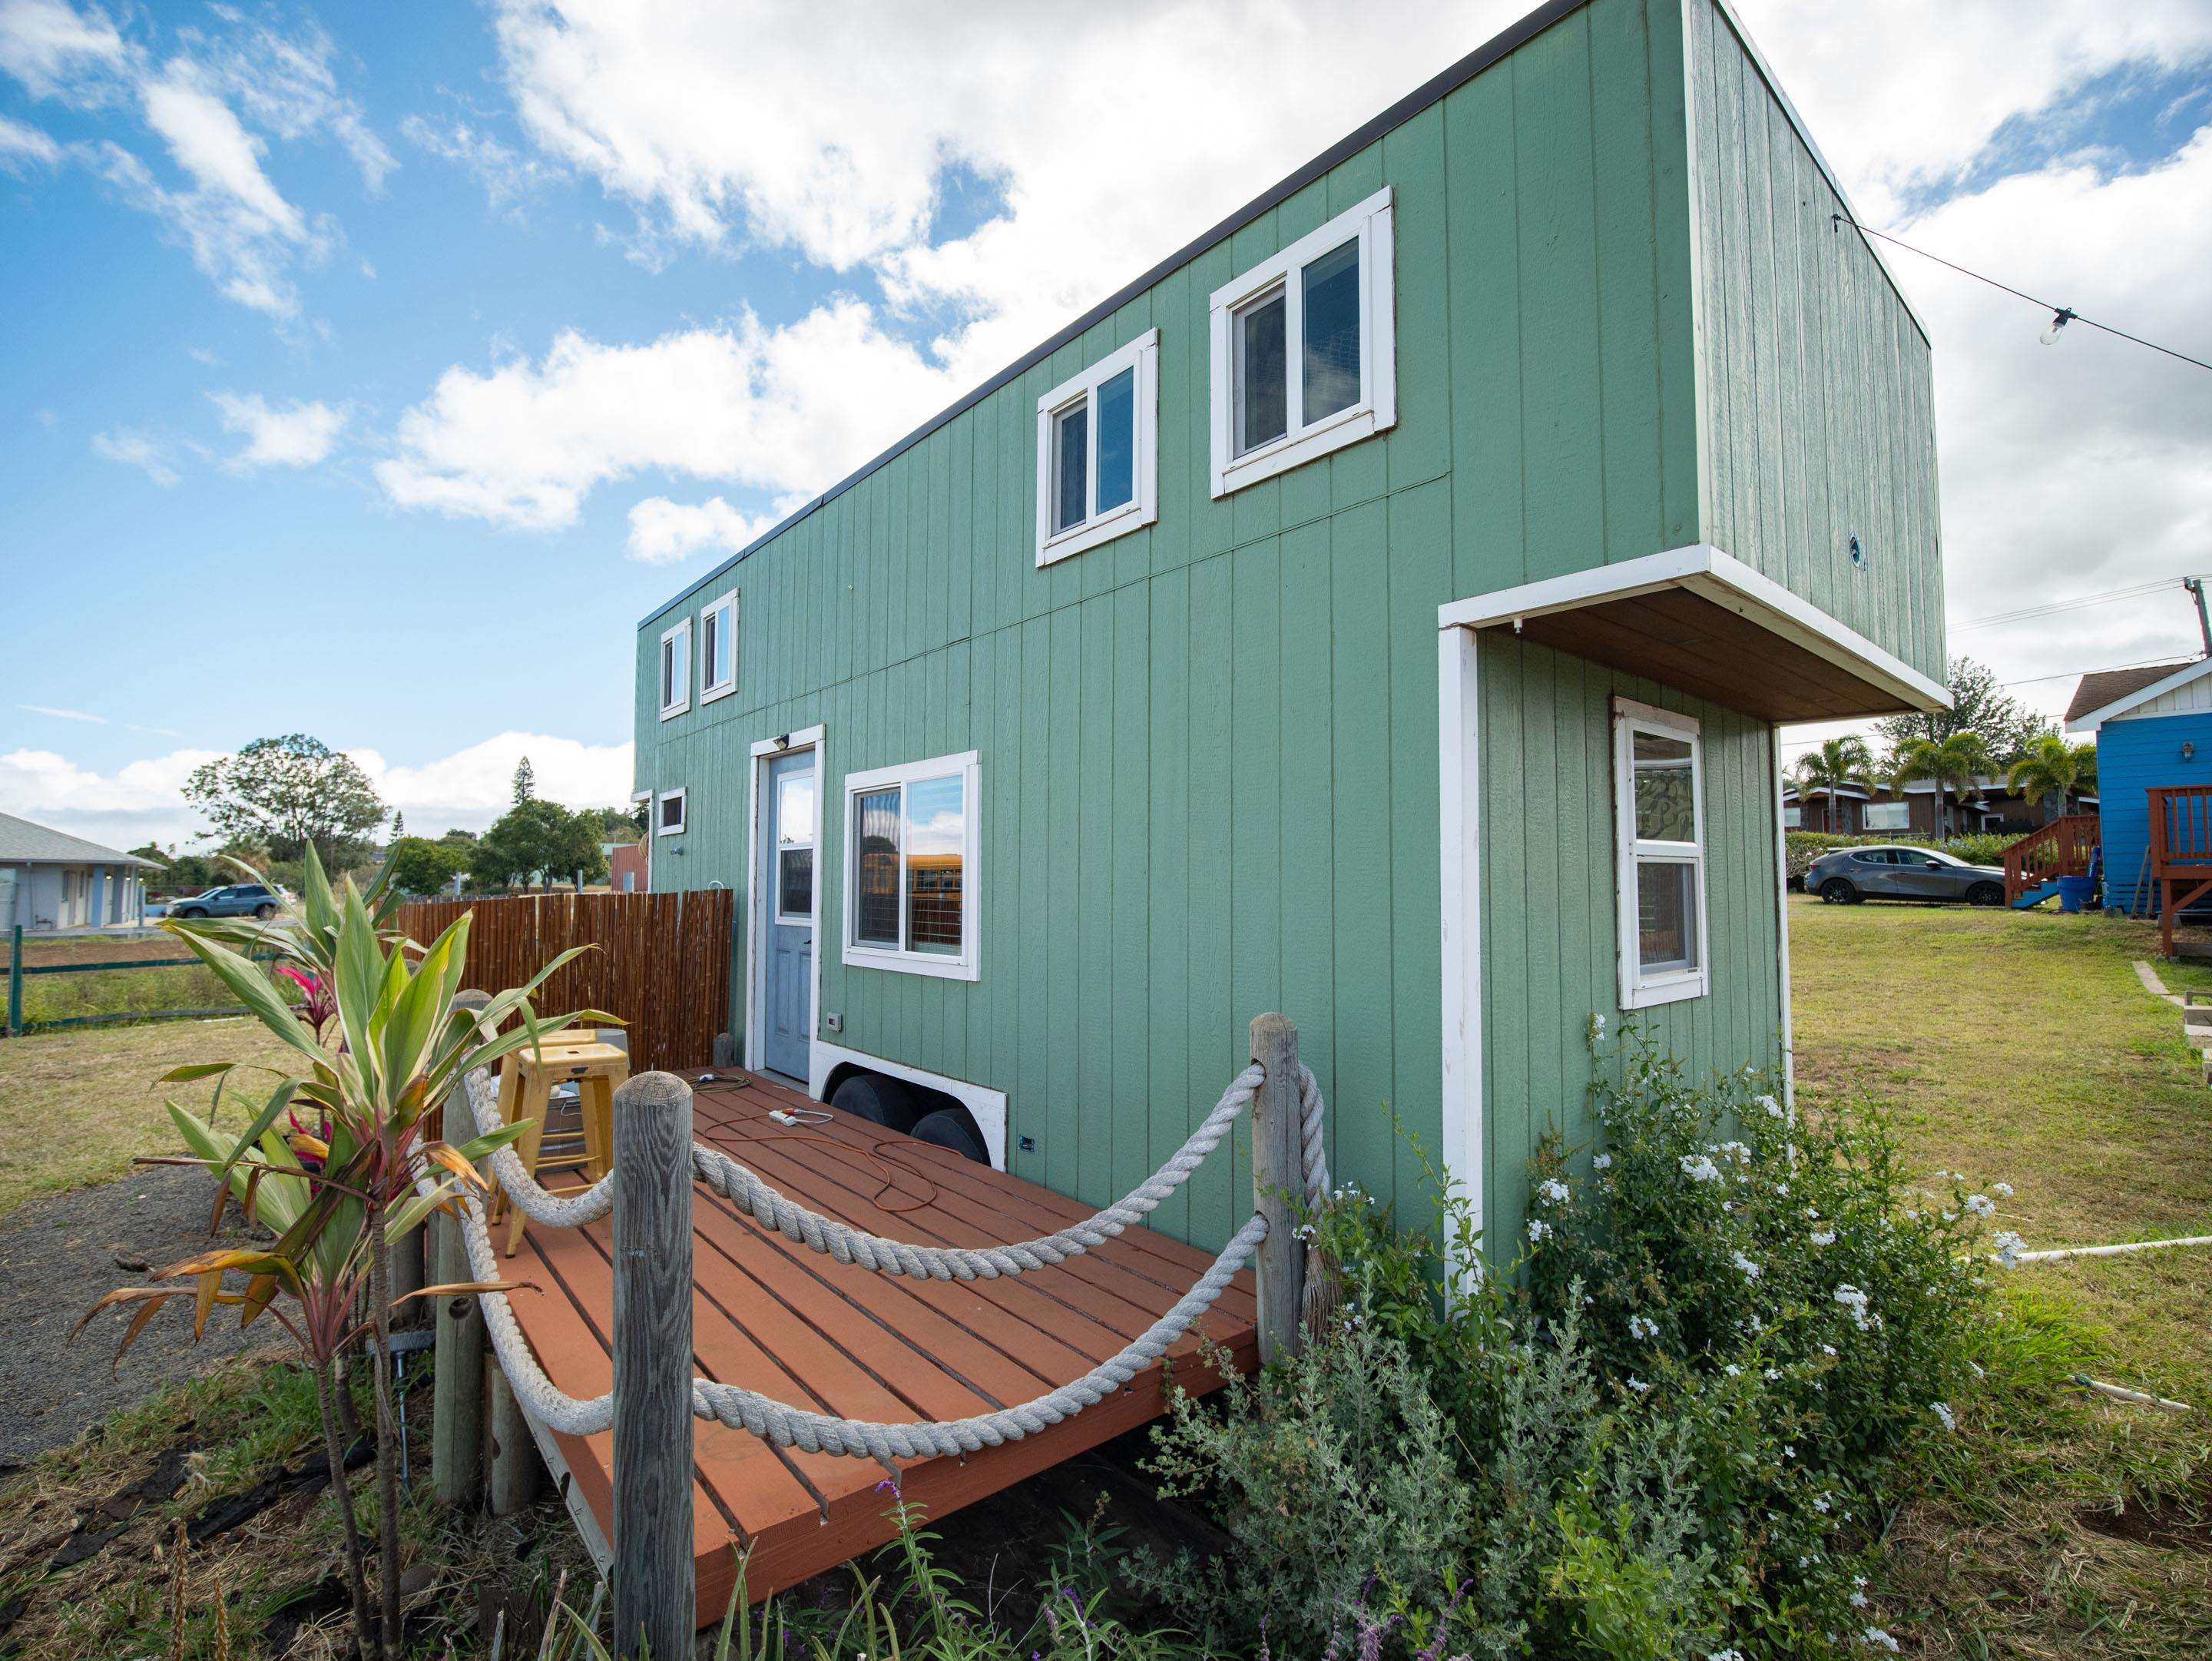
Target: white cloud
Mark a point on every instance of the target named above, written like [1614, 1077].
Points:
[23, 146]
[506, 174]
[55, 51]
[62, 714]
[784, 409]
[663, 532]
[124, 809]
[287, 84]
[137, 449]
[467, 789]
[298, 435]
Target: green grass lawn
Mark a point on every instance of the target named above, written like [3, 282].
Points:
[2020, 1047]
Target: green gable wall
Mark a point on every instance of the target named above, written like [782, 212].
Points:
[1209, 749]
[1819, 404]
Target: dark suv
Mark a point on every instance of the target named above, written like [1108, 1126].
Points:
[248, 899]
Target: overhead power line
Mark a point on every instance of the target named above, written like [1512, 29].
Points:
[2049, 608]
[2060, 315]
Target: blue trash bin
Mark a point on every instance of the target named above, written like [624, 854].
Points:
[2074, 892]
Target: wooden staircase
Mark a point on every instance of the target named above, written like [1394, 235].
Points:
[2180, 853]
[2032, 866]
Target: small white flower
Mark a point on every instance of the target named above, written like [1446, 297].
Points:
[1788, 1451]
[1724, 1655]
[2008, 1244]
[1553, 1189]
[2003, 1191]
[1601, 1162]
[1980, 1205]
[1782, 1189]
[1639, 1386]
[1772, 1374]
[1855, 1301]
[1823, 1505]
[1825, 1237]
[1942, 1411]
[1734, 1150]
[1733, 1370]
[1774, 1108]
[1858, 1600]
[1827, 1350]
[1745, 1266]
[1699, 1168]
[1642, 1326]
[1537, 1229]
[1880, 1639]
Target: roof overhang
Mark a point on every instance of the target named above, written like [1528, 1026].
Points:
[2140, 696]
[1699, 619]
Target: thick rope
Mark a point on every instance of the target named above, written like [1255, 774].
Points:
[787, 1427]
[848, 1245]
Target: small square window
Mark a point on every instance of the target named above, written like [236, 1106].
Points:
[912, 842]
[1660, 833]
[1097, 459]
[1304, 350]
[676, 670]
[717, 647]
[669, 822]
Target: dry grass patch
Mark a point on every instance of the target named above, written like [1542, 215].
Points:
[76, 1107]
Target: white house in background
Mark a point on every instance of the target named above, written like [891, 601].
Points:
[50, 879]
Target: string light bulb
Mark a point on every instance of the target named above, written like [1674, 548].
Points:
[2059, 320]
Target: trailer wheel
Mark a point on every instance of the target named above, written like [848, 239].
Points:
[880, 1100]
[950, 1127]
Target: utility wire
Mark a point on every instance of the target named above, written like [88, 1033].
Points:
[2049, 607]
[2061, 315]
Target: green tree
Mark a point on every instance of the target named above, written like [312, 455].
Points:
[1979, 705]
[536, 837]
[419, 866]
[398, 824]
[1838, 764]
[1951, 764]
[525, 781]
[2051, 768]
[287, 792]
[616, 824]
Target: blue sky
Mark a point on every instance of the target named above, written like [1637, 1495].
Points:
[347, 345]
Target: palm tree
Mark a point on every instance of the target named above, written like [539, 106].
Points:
[2052, 767]
[1837, 764]
[1953, 765]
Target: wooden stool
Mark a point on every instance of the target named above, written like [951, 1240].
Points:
[525, 1089]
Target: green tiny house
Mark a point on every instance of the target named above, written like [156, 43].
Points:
[1380, 611]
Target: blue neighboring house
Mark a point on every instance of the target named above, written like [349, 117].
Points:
[2153, 728]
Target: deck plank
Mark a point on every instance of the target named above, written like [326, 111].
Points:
[807, 1330]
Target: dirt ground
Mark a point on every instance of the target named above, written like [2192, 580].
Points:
[56, 1257]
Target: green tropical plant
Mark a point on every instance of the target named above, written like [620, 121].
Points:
[340, 1161]
[1838, 764]
[1951, 763]
[2052, 767]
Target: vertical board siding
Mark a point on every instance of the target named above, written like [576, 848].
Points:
[1819, 415]
[1209, 754]
[2134, 755]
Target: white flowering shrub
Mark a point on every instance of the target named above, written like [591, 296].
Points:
[1731, 1339]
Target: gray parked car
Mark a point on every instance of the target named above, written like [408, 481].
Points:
[1844, 876]
[245, 899]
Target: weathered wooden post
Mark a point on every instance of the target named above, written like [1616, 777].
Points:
[457, 1399]
[512, 1451]
[1278, 1178]
[655, 1594]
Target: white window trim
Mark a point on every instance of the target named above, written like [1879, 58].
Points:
[660, 669]
[1143, 355]
[683, 813]
[711, 690]
[1886, 809]
[644, 799]
[1642, 989]
[968, 964]
[815, 738]
[1377, 408]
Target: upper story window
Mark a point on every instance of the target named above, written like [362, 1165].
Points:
[1304, 350]
[669, 820]
[717, 647]
[1660, 848]
[676, 670]
[911, 842]
[1098, 451]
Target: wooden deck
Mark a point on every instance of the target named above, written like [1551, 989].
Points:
[800, 1327]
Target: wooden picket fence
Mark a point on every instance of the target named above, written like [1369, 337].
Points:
[662, 963]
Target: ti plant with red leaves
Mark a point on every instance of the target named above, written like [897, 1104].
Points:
[337, 1201]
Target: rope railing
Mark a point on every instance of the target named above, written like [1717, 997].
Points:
[814, 1432]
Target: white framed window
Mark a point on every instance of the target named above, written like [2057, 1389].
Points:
[1304, 350]
[912, 838]
[794, 849]
[676, 670]
[1793, 818]
[1886, 816]
[717, 647]
[1659, 816]
[668, 817]
[1098, 451]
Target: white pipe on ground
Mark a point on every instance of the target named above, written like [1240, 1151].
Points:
[2109, 1250]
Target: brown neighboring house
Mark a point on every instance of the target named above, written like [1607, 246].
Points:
[1989, 807]
[626, 867]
